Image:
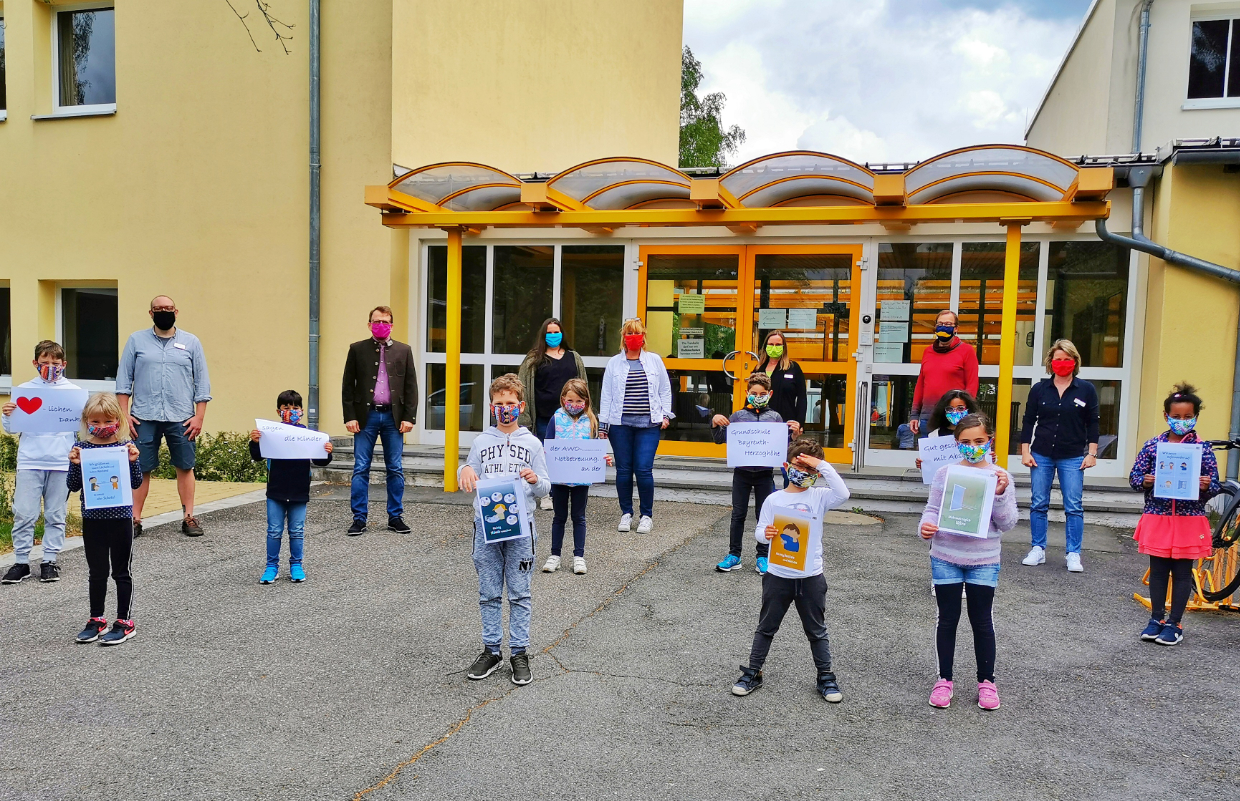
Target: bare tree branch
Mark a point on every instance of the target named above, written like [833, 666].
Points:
[242, 17]
[282, 30]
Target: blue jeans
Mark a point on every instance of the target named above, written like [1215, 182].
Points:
[943, 572]
[277, 512]
[378, 424]
[561, 496]
[634, 449]
[509, 562]
[1071, 484]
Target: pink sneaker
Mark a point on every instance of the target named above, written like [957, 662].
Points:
[987, 695]
[941, 695]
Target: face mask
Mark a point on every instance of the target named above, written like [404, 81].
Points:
[1182, 427]
[798, 477]
[759, 401]
[51, 372]
[774, 351]
[554, 340]
[634, 341]
[164, 320]
[290, 416]
[954, 416]
[104, 432]
[944, 332]
[381, 330]
[973, 453]
[574, 409]
[505, 415]
[1062, 366]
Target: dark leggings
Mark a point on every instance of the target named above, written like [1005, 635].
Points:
[561, 495]
[980, 600]
[1180, 572]
[108, 545]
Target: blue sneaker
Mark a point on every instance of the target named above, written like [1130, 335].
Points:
[1171, 634]
[749, 681]
[1152, 630]
[296, 574]
[269, 575]
[761, 566]
[729, 564]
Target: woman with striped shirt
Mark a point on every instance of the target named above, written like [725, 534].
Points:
[635, 406]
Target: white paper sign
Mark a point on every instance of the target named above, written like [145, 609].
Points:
[690, 349]
[936, 452]
[502, 502]
[770, 319]
[693, 332]
[893, 332]
[576, 461]
[968, 497]
[894, 311]
[690, 303]
[801, 319]
[43, 410]
[105, 477]
[889, 352]
[282, 441]
[1177, 471]
[757, 444]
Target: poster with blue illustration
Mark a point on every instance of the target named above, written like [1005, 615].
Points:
[1177, 474]
[105, 477]
[504, 516]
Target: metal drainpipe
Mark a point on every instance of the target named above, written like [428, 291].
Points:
[1142, 49]
[1138, 179]
[313, 388]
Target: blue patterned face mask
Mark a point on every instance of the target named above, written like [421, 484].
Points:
[798, 477]
[1181, 427]
[505, 415]
[973, 453]
[759, 401]
[954, 416]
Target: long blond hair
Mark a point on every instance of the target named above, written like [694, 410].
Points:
[785, 361]
[104, 404]
[582, 390]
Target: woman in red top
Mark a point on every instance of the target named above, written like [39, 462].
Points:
[948, 364]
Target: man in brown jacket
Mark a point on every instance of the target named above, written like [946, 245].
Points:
[380, 398]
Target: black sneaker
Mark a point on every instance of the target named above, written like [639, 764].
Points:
[398, 525]
[359, 525]
[49, 571]
[16, 574]
[190, 527]
[137, 528]
[829, 689]
[486, 664]
[521, 669]
[749, 681]
[94, 627]
[121, 630]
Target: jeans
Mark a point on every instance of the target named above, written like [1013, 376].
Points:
[1071, 484]
[109, 546]
[561, 494]
[540, 428]
[378, 424]
[810, 596]
[761, 484]
[634, 449]
[944, 572]
[508, 562]
[39, 488]
[181, 451]
[277, 511]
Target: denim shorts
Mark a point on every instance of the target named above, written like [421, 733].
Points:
[947, 573]
[147, 438]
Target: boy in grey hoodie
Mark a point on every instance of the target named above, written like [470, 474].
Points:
[505, 450]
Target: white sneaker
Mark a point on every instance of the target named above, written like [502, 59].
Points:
[545, 504]
[1037, 556]
[553, 564]
[645, 525]
[1074, 563]
[579, 565]
[626, 523]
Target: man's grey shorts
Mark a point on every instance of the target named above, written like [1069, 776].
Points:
[180, 448]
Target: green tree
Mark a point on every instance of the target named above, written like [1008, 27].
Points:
[703, 140]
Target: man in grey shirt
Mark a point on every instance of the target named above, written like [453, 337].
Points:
[164, 373]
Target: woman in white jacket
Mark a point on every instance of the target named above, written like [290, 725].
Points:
[636, 406]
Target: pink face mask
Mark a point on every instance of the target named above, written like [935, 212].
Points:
[381, 330]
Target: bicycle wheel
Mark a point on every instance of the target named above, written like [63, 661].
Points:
[1227, 527]
[1221, 576]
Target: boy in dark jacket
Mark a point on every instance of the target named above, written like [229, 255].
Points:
[288, 493]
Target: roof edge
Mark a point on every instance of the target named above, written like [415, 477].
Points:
[1089, 15]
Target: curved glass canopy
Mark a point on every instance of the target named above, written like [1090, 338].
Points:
[438, 183]
[780, 177]
[1007, 168]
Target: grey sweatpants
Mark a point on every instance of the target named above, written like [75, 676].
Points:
[510, 563]
[39, 490]
[810, 597]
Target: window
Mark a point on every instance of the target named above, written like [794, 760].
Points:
[1212, 68]
[473, 397]
[85, 59]
[89, 333]
[6, 329]
[522, 296]
[473, 298]
[914, 285]
[591, 286]
[1087, 300]
[981, 299]
[4, 103]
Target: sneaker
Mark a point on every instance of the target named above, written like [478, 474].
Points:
[269, 575]
[359, 525]
[484, 665]
[397, 524]
[761, 566]
[521, 669]
[987, 695]
[1152, 630]
[626, 523]
[296, 574]
[545, 504]
[1074, 563]
[729, 564]
[94, 627]
[829, 689]
[137, 528]
[121, 630]
[941, 695]
[645, 525]
[552, 565]
[1037, 556]
[49, 571]
[579, 565]
[16, 574]
[190, 528]
[1171, 634]
[749, 681]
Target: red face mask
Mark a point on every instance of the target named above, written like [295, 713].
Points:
[634, 341]
[1063, 366]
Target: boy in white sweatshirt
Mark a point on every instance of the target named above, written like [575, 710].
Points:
[42, 469]
[505, 450]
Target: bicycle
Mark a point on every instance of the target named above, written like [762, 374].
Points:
[1217, 577]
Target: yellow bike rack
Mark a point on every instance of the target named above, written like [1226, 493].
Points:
[1209, 574]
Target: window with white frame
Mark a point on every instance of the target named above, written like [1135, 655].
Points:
[84, 57]
[1212, 69]
[6, 329]
[89, 331]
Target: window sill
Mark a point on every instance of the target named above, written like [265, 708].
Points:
[1210, 102]
[90, 111]
[4, 115]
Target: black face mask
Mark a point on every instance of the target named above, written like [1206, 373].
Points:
[164, 320]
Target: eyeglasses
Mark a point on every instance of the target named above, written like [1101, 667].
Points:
[163, 308]
[632, 319]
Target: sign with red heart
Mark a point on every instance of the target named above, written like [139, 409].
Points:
[29, 405]
[44, 410]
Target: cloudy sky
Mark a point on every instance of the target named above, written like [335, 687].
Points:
[879, 80]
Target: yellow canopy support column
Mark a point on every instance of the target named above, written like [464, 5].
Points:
[452, 365]
[1007, 341]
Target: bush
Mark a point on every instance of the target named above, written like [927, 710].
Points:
[8, 453]
[221, 457]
